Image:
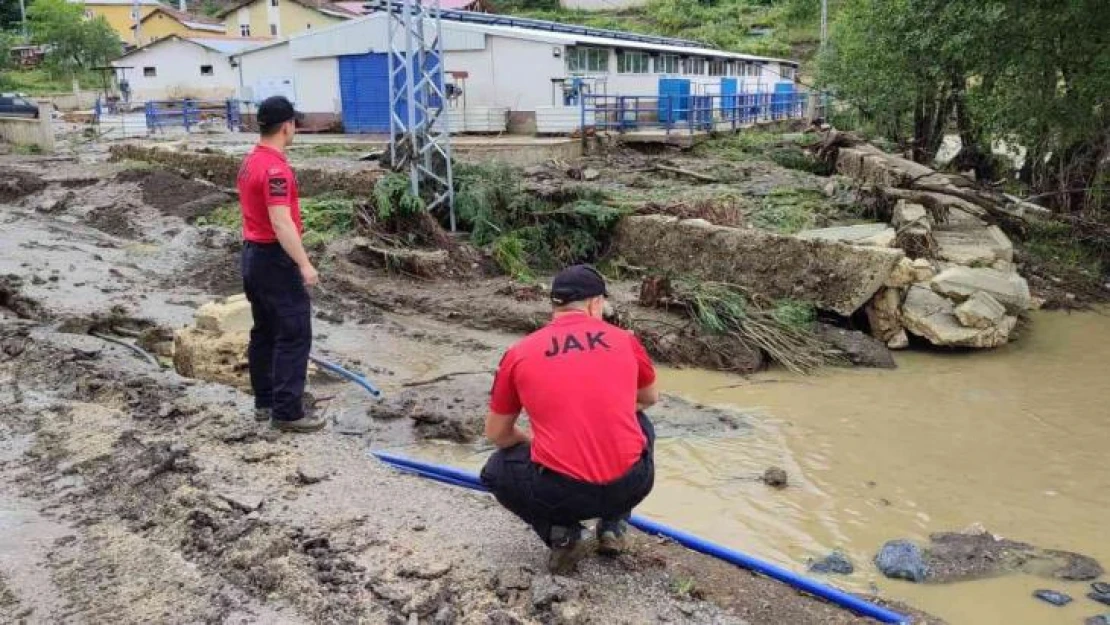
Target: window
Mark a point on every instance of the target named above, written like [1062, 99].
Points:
[150, 72]
[308, 27]
[633, 63]
[206, 70]
[273, 30]
[718, 67]
[244, 30]
[788, 72]
[666, 64]
[751, 70]
[694, 66]
[587, 60]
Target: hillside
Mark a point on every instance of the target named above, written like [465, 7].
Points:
[782, 28]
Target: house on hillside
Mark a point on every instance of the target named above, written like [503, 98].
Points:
[120, 14]
[497, 67]
[176, 67]
[283, 18]
[164, 21]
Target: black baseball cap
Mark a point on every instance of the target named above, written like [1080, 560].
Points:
[577, 283]
[276, 110]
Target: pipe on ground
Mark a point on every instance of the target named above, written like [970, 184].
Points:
[456, 477]
[349, 375]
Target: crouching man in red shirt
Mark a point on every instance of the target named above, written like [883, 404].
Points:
[583, 384]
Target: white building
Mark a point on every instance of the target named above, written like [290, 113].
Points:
[505, 67]
[178, 67]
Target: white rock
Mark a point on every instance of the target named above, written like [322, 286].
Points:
[883, 314]
[973, 246]
[960, 283]
[931, 316]
[870, 235]
[980, 311]
[232, 314]
[899, 341]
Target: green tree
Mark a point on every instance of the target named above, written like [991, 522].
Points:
[7, 40]
[76, 43]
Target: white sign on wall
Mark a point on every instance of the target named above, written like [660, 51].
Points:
[273, 85]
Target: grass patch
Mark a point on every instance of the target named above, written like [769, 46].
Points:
[26, 150]
[789, 211]
[1055, 246]
[325, 218]
[41, 81]
[526, 233]
[783, 150]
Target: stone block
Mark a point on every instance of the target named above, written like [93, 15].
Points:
[933, 317]
[231, 314]
[960, 283]
[872, 235]
[908, 213]
[974, 247]
[980, 311]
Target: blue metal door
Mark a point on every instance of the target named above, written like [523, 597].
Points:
[364, 92]
[782, 100]
[674, 100]
[728, 97]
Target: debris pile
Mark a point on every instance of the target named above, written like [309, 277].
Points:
[215, 347]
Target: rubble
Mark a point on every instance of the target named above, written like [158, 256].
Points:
[960, 283]
[215, 348]
[933, 317]
[980, 311]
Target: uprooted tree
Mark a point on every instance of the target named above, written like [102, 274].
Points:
[1032, 74]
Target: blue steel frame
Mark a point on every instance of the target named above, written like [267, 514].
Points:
[161, 114]
[693, 113]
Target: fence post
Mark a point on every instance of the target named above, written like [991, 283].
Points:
[186, 105]
[149, 109]
[46, 126]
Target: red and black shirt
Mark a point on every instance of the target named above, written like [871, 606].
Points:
[577, 378]
[265, 180]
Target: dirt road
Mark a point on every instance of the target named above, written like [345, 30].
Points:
[130, 494]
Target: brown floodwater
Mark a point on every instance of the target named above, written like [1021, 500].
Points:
[1014, 439]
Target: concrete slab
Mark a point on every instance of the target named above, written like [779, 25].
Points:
[873, 235]
[973, 247]
[960, 283]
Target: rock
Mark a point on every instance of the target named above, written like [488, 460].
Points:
[901, 559]
[590, 174]
[980, 311]
[884, 314]
[569, 614]
[427, 600]
[215, 358]
[1073, 566]
[960, 283]
[834, 563]
[352, 422]
[862, 350]
[1053, 597]
[871, 235]
[899, 341]
[975, 247]
[923, 270]
[902, 275]
[1101, 597]
[245, 501]
[231, 314]
[502, 617]
[1101, 587]
[832, 276]
[907, 213]
[830, 188]
[308, 475]
[961, 556]
[425, 570]
[550, 589]
[1101, 619]
[775, 477]
[916, 239]
[932, 317]
[511, 580]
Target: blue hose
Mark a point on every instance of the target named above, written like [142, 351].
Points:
[449, 475]
[350, 375]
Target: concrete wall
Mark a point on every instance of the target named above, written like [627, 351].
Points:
[22, 131]
[313, 83]
[118, 15]
[177, 67]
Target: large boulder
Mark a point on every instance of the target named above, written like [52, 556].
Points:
[884, 314]
[215, 347]
[975, 247]
[980, 311]
[860, 349]
[960, 283]
[832, 276]
[933, 317]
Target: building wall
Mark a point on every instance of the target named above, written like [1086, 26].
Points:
[177, 65]
[119, 17]
[161, 26]
[314, 82]
[288, 17]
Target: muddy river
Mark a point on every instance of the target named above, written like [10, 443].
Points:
[1014, 440]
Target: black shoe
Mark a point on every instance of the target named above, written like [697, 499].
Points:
[263, 414]
[304, 424]
[611, 537]
[567, 548]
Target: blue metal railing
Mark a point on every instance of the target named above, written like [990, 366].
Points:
[689, 113]
[188, 113]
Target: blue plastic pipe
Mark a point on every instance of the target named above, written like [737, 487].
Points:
[456, 477]
[350, 375]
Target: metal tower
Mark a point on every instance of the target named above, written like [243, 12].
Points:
[420, 138]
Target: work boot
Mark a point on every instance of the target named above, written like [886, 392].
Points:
[263, 414]
[610, 537]
[567, 548]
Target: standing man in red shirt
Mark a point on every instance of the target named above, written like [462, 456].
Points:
[584, 384]
[276, 273]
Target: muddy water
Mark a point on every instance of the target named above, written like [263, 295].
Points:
[1015, 440]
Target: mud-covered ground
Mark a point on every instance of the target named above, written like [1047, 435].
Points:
[130, 494]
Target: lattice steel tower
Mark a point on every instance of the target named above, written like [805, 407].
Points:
[420, 136]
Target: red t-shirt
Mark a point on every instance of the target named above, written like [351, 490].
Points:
[265, 179]
[577, 379]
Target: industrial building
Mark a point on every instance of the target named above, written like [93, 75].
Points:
[505, 73]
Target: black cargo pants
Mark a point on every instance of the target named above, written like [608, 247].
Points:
[543, 498]
[282, 334]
